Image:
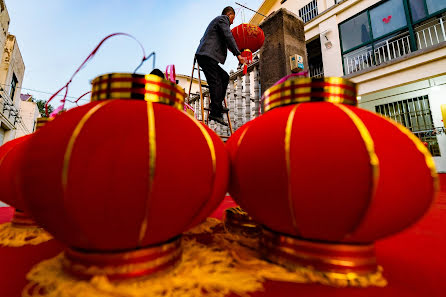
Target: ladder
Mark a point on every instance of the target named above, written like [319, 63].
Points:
[199, 70]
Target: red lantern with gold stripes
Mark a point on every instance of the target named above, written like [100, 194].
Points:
[10, 156]
[327, 179]
[249, 38]
[125, 176]
[22, 243]
[232, 145]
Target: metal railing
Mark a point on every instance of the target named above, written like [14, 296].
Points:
[7, 108]
[392, 48]
[316, 70]
[431, 33]
[381, 52]
[358, 60]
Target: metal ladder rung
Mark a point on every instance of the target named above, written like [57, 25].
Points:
[202, 99]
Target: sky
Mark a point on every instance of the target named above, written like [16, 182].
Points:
[56, 36]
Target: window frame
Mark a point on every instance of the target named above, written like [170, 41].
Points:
[410, 23]
[441, 11]
[372, 39]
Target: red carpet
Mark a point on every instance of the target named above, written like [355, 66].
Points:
[225, 204]
[6, 214]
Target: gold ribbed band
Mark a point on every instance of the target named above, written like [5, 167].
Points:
[303, 89]
[340, 263]
[123, 265]
[136, 86]
[42, 122]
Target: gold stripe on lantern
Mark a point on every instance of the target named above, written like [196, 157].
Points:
[288, 130]
[152, 166]
[71, 142]
[369, 146]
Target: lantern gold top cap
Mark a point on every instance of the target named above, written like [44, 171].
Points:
[41, 122]
[129, 86]
[304, 89]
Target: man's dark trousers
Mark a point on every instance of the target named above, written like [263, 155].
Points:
[217, 80]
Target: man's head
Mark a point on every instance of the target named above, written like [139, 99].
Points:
[230, 12]
[157, 72]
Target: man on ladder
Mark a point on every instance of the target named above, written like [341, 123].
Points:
[214, 44]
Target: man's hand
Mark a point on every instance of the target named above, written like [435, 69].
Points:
[241, 60]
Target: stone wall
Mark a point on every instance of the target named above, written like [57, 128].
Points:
[284, 37]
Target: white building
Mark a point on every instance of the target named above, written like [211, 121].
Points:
[12, 70]
[395, 50]
[28, 114]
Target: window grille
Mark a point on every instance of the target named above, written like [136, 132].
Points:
[415, 114]
[309, 11]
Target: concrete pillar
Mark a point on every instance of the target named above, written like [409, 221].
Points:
[331, 56]
[284, 37]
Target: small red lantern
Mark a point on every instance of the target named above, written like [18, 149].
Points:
[121, 177]
[249, 38]
[328, 179]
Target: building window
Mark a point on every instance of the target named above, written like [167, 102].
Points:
[13, 86]
[309, 11]
[355, 32]
[389, 30]
[387, 18]
[435, 5]
[415, 114]
[417, 9]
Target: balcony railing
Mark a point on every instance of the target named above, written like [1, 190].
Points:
[427, 34]
[7, 109]
[392, 48]
[381, 52]
[431, 33]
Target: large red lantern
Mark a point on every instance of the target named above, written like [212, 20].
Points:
[249, 38]
[10, 156]
[328, 179]
[121, 176]
[22, 243]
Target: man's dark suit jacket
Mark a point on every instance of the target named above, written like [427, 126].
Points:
[217, 40]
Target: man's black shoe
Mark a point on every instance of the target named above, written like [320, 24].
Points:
[218, 119]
